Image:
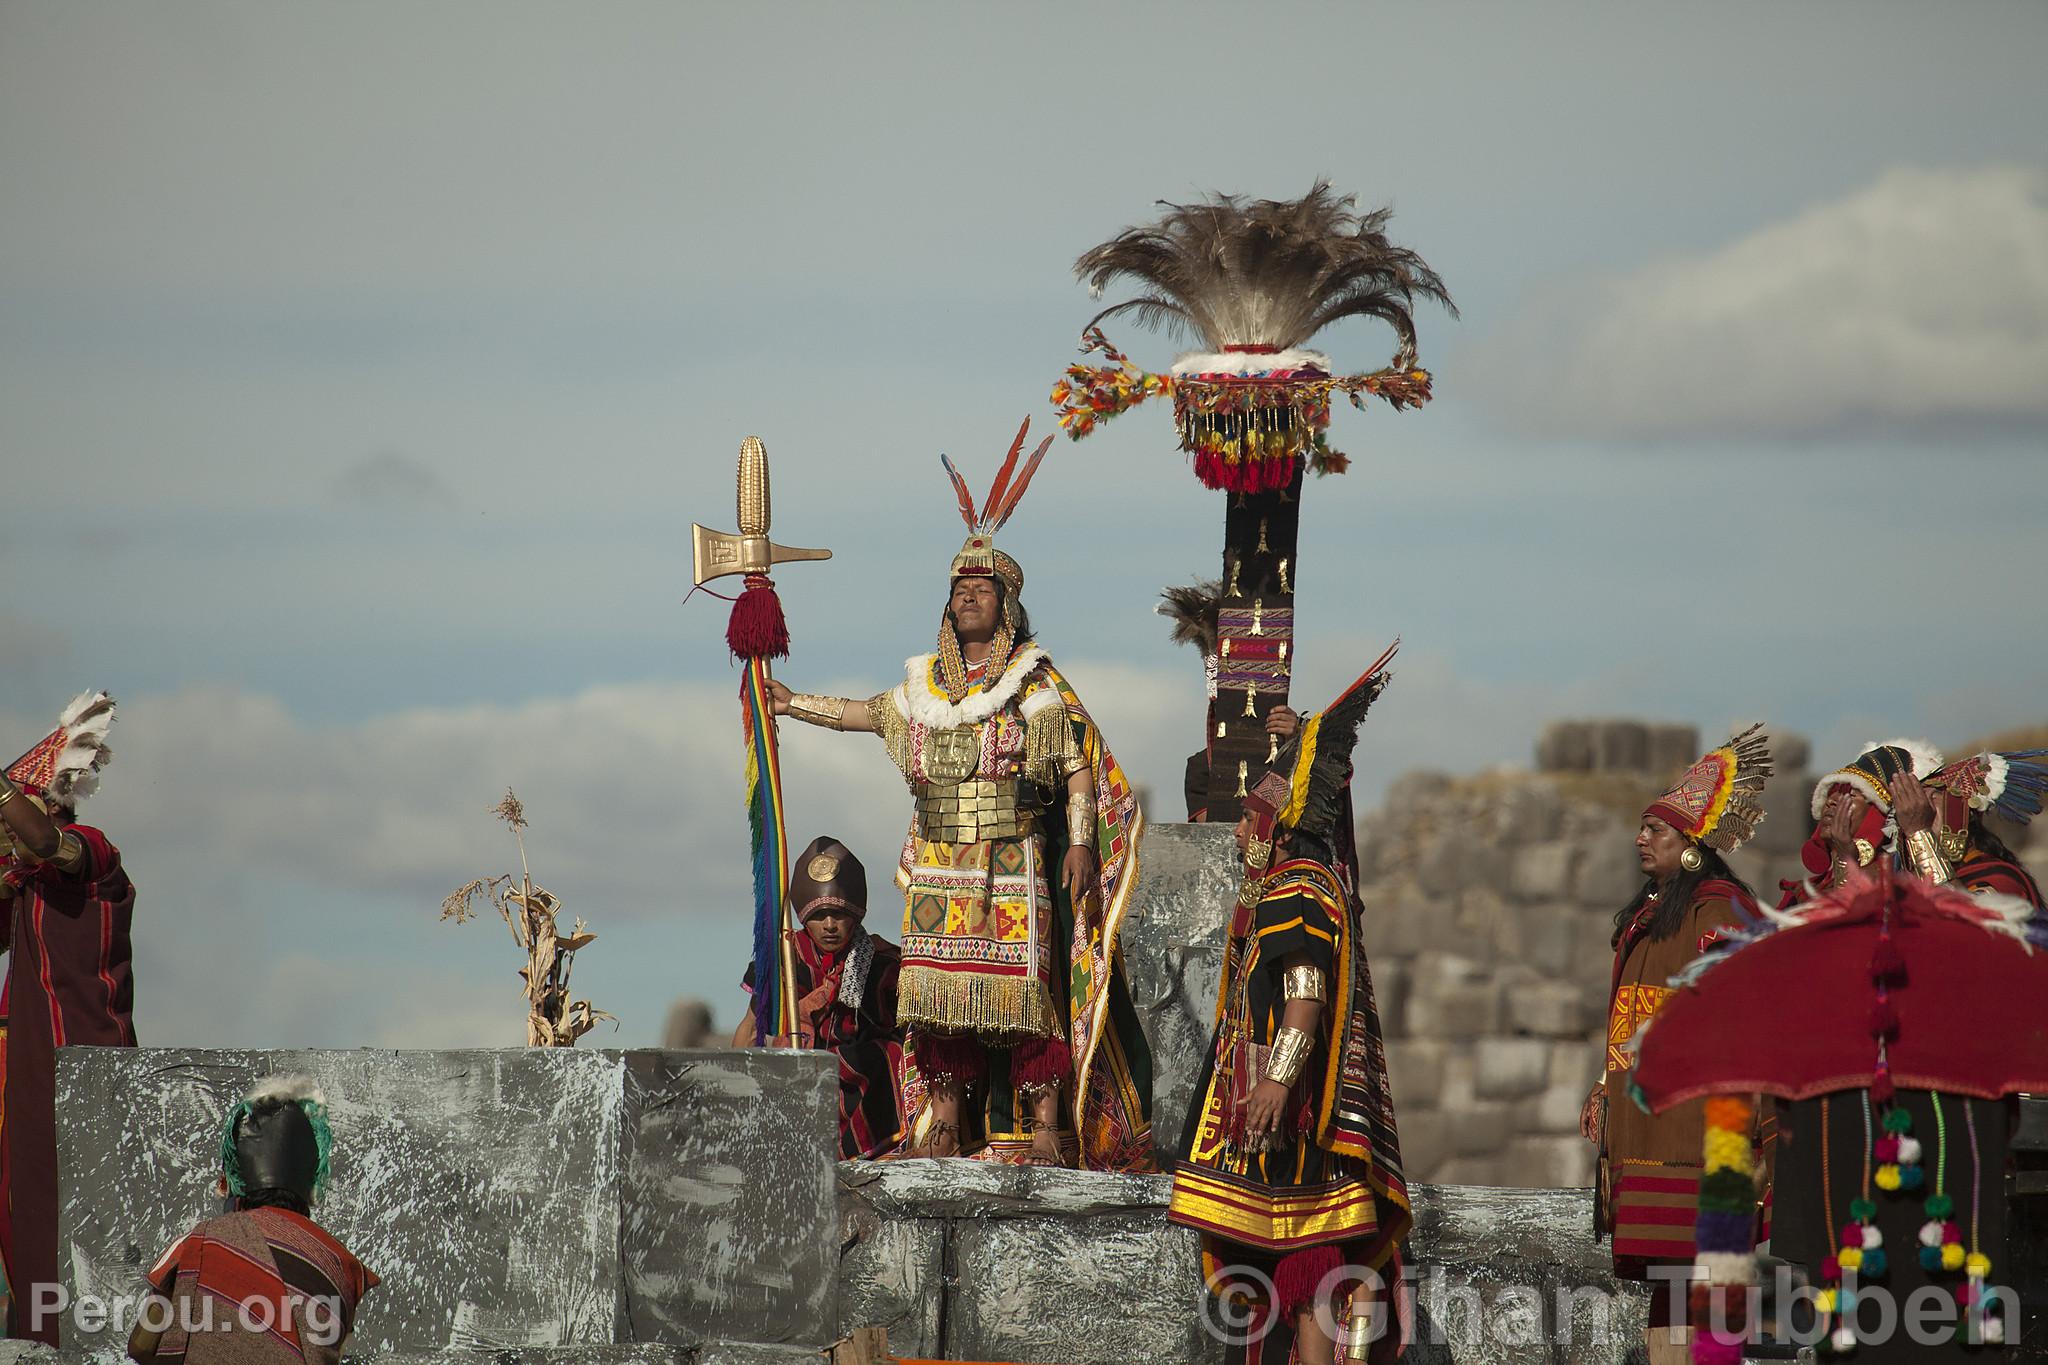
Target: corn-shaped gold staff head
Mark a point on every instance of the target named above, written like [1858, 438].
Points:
[753, 487]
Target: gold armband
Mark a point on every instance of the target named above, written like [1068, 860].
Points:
[1305, 983]
[1080, 820]
[1926, 855]
[1288, 1055]
[1358, 1334]
[70, 853]
[829, 712]
[7, 792]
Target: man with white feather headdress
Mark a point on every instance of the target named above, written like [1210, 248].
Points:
[65, 909]
[1017, 875]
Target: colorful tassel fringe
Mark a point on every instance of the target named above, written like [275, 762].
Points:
[1725, 1233]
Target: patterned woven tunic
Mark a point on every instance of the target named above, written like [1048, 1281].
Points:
[978, 941]
[1648, 1197]
[1334, 1179]
[262, 1286]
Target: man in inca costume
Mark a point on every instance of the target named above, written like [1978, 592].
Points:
[66, 907]
[1291, 1164]
[1017, 874]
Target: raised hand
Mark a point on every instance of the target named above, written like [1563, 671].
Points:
[1912, 807]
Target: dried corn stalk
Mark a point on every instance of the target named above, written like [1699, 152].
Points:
[552, 1018]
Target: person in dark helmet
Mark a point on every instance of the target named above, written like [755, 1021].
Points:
[844, 979]
[262, 1284]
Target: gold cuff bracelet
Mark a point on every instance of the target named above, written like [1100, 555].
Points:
[1288, 1055]
[1305, 983]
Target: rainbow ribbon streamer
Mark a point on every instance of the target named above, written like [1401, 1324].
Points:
[774, 999]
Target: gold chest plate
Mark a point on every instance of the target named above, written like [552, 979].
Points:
[952, 755]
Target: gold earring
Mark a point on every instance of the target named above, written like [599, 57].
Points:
[1691, 860]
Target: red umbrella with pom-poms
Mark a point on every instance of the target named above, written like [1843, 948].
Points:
[1887, 981]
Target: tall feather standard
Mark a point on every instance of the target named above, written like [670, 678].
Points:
[757, 633]
[1251, 282]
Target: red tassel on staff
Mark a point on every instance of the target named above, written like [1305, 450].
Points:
[757, 629]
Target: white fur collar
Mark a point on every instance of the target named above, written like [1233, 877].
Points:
[939, 714]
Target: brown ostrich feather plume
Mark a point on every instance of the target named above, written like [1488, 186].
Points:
[1265, 272]
[1192, 609]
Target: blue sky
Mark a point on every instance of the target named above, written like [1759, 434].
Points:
[362, 368]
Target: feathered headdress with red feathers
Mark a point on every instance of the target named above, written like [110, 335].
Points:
[979, 558]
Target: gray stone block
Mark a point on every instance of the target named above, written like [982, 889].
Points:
[1527, 812]
[1402, 920]
[1510, 1068]
[1460, 1225]
[1788, 814]
[1482, 1312]
[1425, 1141]
[1554, 1112]
[1486, 927]
[1621, 746]
[1566, 746]
[1609, 871]
[1392, 980]
[891, 1275]
[1452, 998]
[1483, 1129]
[1548, 1009]
[1576, 1062]
[755, 1353]
[1413, 789]
[510, 1200]
[1173, 952]
[1415, 1070]
[1540, 937]
[1672, 749]
[1101, 1290]
[729, 1224]
[1452, 860]
[1560, 1160]
[955, 1188]
[1542, 872]
[483, 1187]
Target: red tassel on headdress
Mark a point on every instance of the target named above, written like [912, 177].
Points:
[1245, 476]
[1884, 1020]
[757, 629]
[1887, 966]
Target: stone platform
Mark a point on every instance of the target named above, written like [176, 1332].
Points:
[511, 1199]
[680, 1208]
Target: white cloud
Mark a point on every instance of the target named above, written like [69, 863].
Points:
[1920, 299]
